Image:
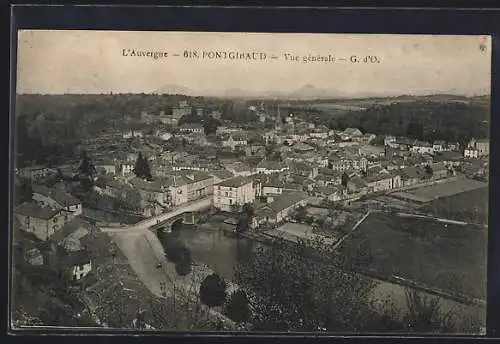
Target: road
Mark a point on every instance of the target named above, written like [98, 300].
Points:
[193, 206]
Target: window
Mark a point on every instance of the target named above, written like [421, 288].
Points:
[226, 194]
[230, 201]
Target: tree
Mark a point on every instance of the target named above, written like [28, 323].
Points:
[86, 168]
[147, 170]
[132, 199]
[245, 218]
[213, 290]
[428, 170]
[139, 166]
[295, 291]
[25, 192]
[87, 172]
[345, 179]
[238, 308]
[425, 314]
[142, 169]
[300, 213]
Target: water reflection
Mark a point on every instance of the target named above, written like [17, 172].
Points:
[215, 248]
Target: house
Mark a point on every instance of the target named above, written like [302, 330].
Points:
[76, 264]
[49, 197]
[240, 169]
[221, 175]
[383, 182]
[471, 153]
[233, 192]
[165, 136]
[319, 134]
[126, 169]
[69, 172]
[400, 143]
[199, 184]
[357, 185]
[303, 169]
[449, 158]
[331, 193]
[43, 222]
[483, 147]
[255, 150]
[133, 133]
[323, 180]
[234, 140]
[388, 140]
[36, 172]
[439, 170]
[155, 191]
[194, 138]
[106, 168]
[279, 208]
[352, 132]
[411, 175]
[222, 130]
[272, 186]
[421, 147]
[303, 147]
[192, 128]
[34, 256]
[341, 163]
[438, 146]
[270, 166]
[369, 150]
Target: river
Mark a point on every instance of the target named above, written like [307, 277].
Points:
[223, 253]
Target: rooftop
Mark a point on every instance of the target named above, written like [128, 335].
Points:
[284, 201]
[235, 182]
[34, 210]
[62, 198]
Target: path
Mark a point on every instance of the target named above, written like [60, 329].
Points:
[338, 243]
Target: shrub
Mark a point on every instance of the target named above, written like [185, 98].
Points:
[213, 290]
[238, 308]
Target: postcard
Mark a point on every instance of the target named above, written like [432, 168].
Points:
[260, 182]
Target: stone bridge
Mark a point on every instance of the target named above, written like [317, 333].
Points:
[189, 218]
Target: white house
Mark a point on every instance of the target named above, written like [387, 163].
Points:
[192, 128]
[235, 140]
[471, 153]
[233, 192]
[78, 264]
[126, 169]
[269, 166]
[422, 148]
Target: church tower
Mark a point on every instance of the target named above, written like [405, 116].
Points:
[278, 123]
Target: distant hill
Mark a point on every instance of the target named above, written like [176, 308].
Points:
[175, 89]
[306, 92]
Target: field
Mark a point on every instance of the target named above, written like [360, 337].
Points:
[447, 189]
[469, 206]
[451, 257]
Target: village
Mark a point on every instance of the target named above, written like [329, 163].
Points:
[288, 180]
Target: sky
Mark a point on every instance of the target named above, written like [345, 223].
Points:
[57, 62]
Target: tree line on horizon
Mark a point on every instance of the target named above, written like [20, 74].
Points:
[49, 128]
